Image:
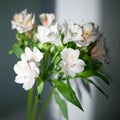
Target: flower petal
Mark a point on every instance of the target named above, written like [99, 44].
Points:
[28, 53]
[18, 68]
[24, 57]
[46, 19]
[28, 83]
[19, 79]
[79, 66]
[37, 54]
[23, 21]
[71, 64]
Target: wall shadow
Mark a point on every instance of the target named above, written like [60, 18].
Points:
[110, 24]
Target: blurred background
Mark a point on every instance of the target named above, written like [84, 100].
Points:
[105, 13]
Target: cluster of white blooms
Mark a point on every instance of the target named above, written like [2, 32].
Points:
[81, 35]
[50, 32]
[57, 53]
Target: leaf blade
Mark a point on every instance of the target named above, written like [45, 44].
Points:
[68, 93]
[40, 87]
[86, 73]
[17, 50]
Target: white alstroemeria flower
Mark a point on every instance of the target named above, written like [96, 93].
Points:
[71, 64]
[90, 34]
[49, 34]
[27, 69]
[23, 21]
[73, 32]
[99, 51]
[29, 55]
[46, 19]
[26, 73]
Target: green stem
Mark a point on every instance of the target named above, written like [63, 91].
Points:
[54, 57]
[29, 103]
[34, 108]
[67, 78]
[45, 104]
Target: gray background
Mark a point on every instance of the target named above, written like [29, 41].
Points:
[110, 22]
[13, 98]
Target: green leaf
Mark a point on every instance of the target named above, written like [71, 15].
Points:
[25, 40]
[87, 58]
[102, 78]
[46, 46]
[40, 87]
[86, 73]
[68, 93]
[73, 95]
[57, 60]
[17, 50]
[71, 45]
[97, 64]
[62, 36]
[62, 104]
[93, 65]
[90, 81]
[23, 37]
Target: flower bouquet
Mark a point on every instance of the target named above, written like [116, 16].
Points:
[58, 54]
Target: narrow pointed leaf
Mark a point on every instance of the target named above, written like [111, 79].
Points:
[86, 73]
[40, 87]
[68, 93]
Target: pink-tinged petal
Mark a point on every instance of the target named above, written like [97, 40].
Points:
[99, 51]
[46, 19]
[92, 52]
[92, 38]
